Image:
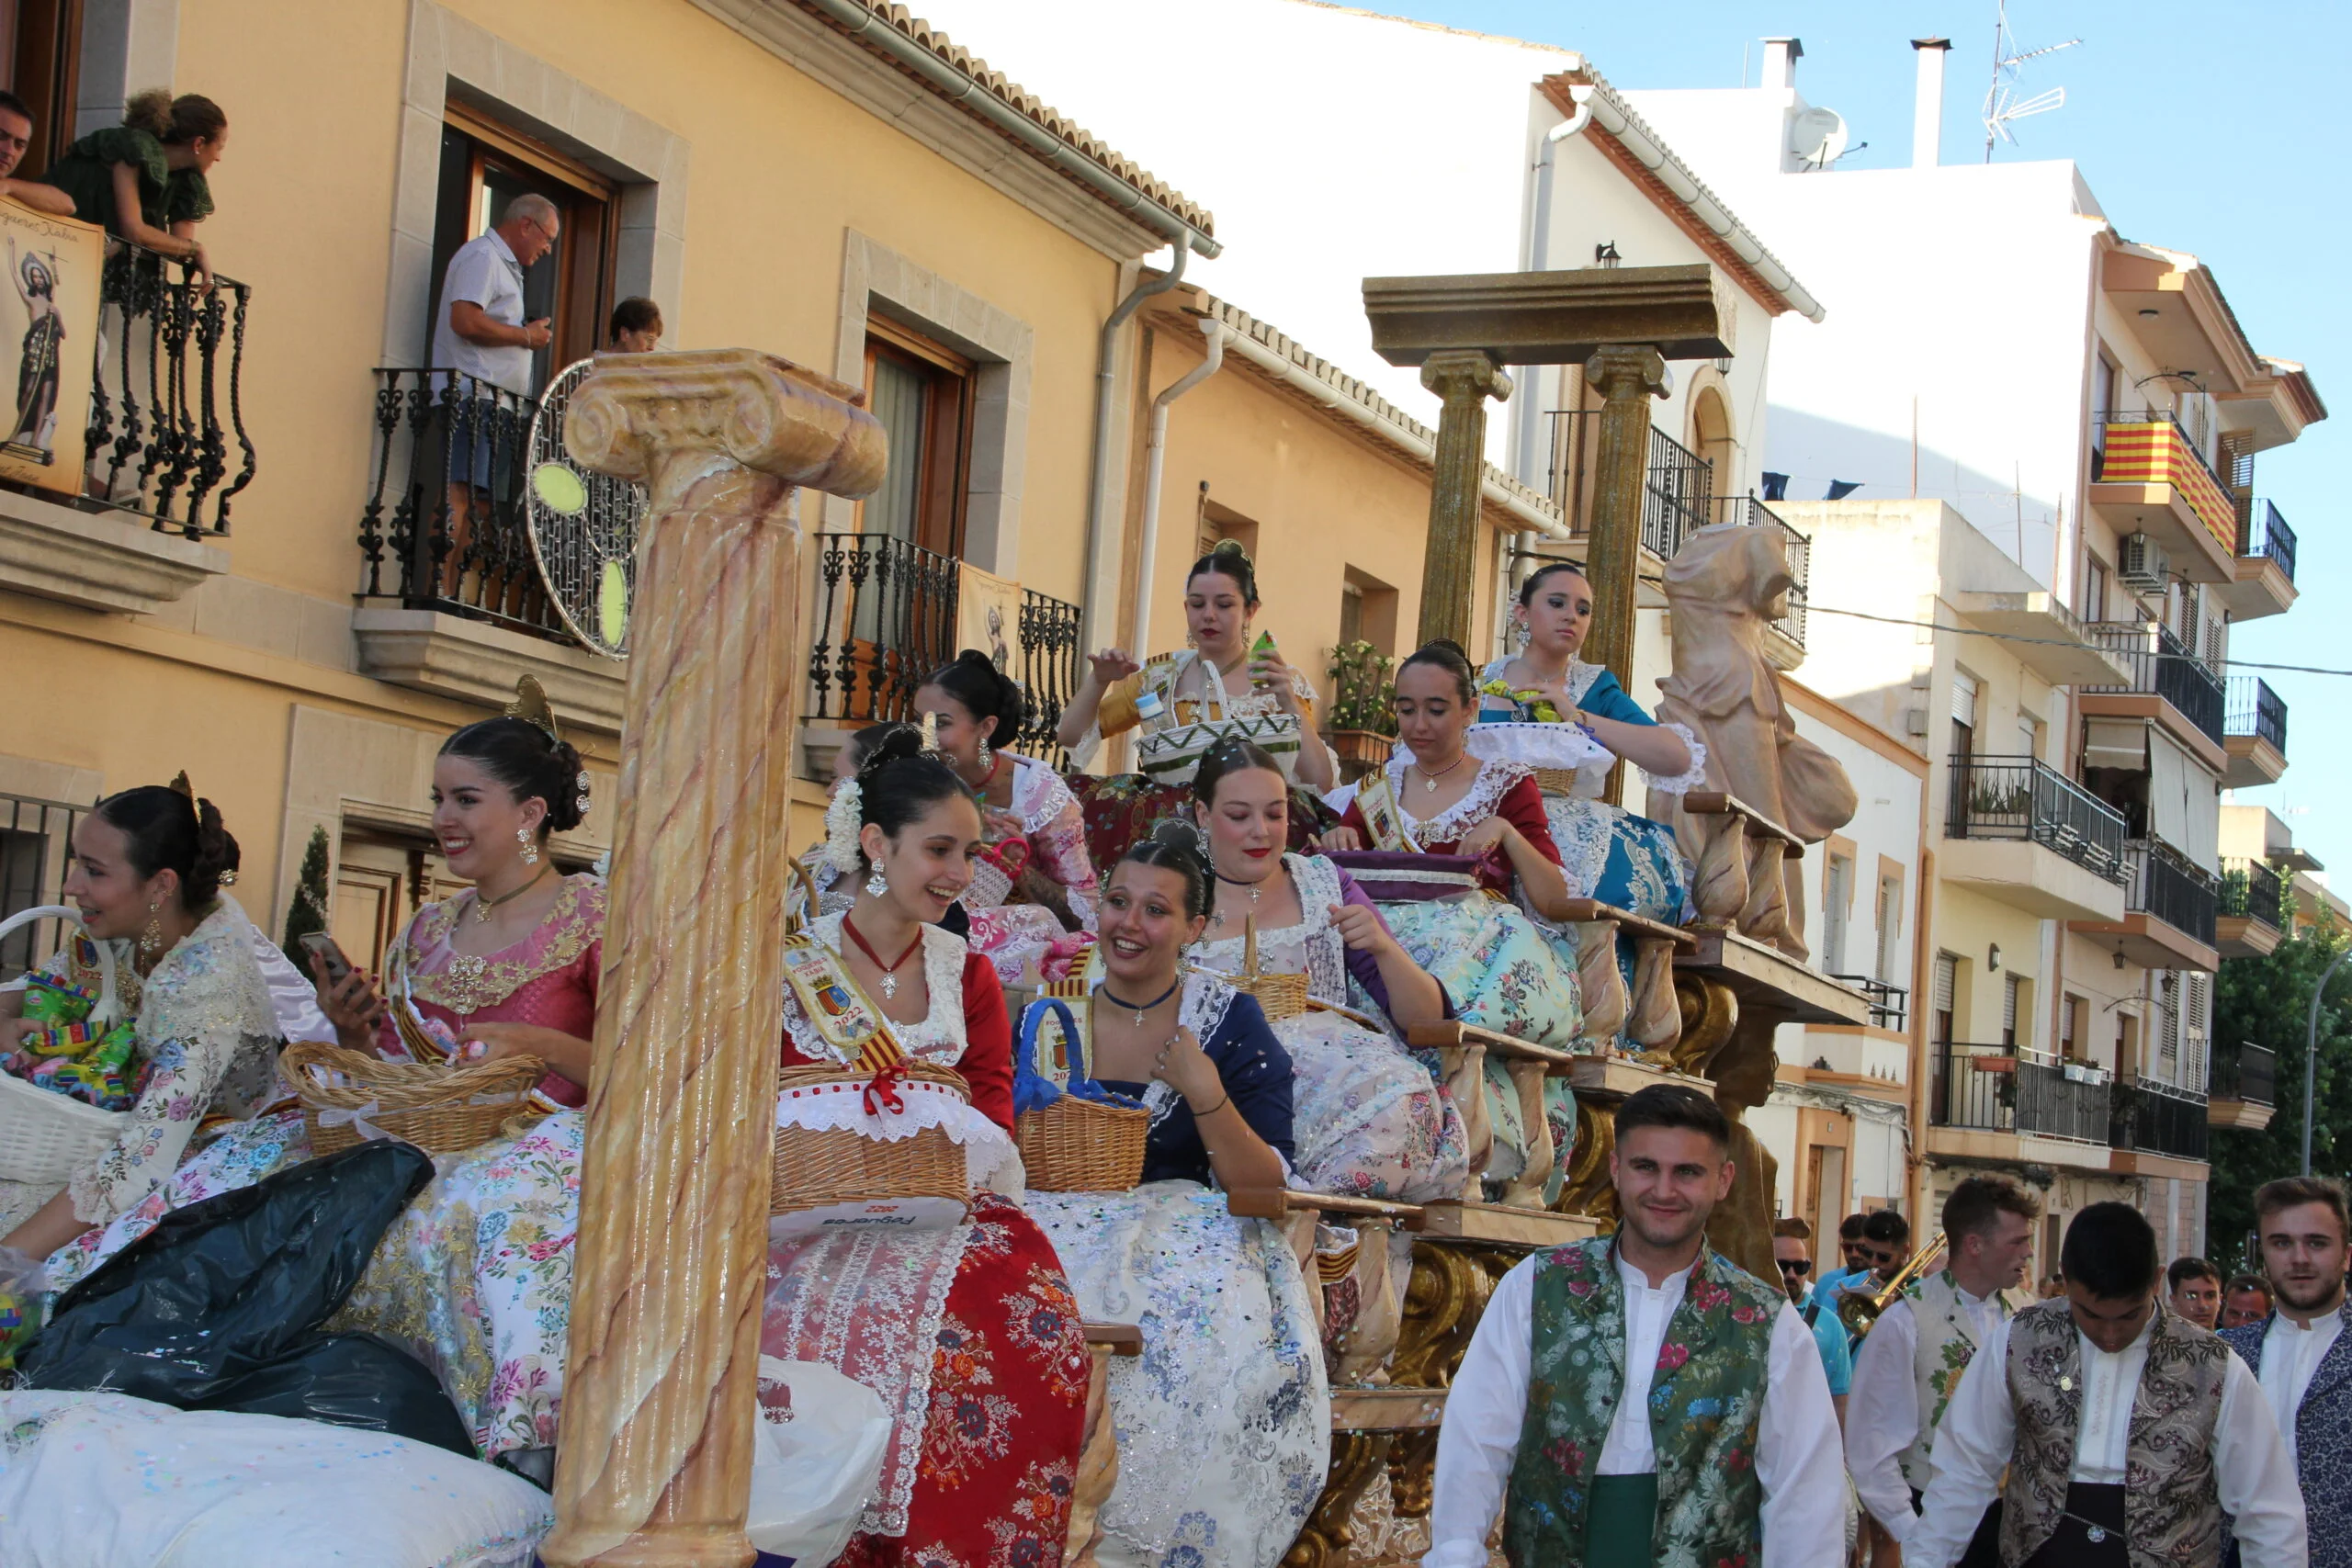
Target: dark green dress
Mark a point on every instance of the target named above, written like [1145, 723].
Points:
[166, 196]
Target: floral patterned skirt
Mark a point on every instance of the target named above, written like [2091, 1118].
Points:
[242, 1154]
[1370, 1121]
[1224, 1422]
[1628, 861]
[1014, 937]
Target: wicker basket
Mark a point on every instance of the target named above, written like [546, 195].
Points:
[45, 1136]
[816, 1167]
[443, 1111]
[1557, 780]
[1280, 997]
[1080, 1146]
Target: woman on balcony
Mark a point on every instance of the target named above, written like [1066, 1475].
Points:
[509, 967]
[1468, 923]
[1035, 886]
[1225, 683]
[146, 178]
[1224, 1421]
[1570, 721]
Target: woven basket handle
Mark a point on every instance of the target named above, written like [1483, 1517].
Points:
[107, 1010]
[1248, 947]
[1032, 1017]
[798, 912]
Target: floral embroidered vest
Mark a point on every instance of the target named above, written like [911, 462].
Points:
[2172, 1513]
[1706, 1398]
[1946, 1340]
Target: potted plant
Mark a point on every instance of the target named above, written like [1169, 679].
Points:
[1361, 724]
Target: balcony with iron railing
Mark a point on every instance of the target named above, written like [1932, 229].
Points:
[1748, 510]
[2244, 1085]
[2149, 1116]
[162, 438]
[2024, 798]
[2249, 916]
[1890, 1003]
[886, 617]
[2254, 732]
[2004, 1089]
[2160, 666]
[2263, 534]
[2168, 921]
[2148, 474]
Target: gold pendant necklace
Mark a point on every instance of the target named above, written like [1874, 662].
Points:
[482, 907]
[1429, 779]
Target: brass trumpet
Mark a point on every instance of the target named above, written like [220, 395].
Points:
[1858, 1311]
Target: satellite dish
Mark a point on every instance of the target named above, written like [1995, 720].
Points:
[1818, 137]
[585, 527]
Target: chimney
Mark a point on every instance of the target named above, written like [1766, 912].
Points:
[1927, 112]
[1780, 57]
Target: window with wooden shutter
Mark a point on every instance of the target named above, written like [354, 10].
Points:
[1963, 714]
[1890, 926]
[1947, 986]
[2012, 1001]
[1835, 893]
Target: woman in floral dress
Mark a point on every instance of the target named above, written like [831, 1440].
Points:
[1224, 1421]
[1494, 960]
[146, 874]
[1036, 888]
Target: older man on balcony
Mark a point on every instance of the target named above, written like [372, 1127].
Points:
[480, 333]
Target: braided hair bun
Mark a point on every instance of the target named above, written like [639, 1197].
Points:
[165, 829]
[1177, 846]
[993, 698]
[898, 780]
[530, 762]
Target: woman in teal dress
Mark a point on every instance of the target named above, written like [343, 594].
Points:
[145, 179]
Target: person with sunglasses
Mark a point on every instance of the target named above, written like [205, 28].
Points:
[1792, 1250]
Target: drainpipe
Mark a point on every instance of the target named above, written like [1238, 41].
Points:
[1155, 460]
[1539, 253]
[1099, 549]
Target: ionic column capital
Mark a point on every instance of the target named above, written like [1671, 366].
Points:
[1627, 370]
[1465, 373]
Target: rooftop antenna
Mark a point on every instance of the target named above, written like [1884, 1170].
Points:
[2004, 103]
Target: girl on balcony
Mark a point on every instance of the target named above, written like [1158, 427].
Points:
[509, 967]
[1478, 939]
[1225, 683]
[146, 178]
[1570, 721]
[1035, 886]
[1224, 1421]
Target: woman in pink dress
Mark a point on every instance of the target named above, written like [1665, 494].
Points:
[508, 967]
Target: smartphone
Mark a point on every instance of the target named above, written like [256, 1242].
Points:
[322, 947]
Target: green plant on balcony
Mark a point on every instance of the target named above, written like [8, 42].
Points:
[1987, 798]
[1361, 724]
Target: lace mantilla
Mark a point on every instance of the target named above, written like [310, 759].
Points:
[1310, 946]
[468, 983]
[1486, 791]
[939, 1037]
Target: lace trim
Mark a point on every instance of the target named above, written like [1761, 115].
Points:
[470, 982]
[1690, 779]
[1535, 745]
[1309, 941]
[840, 1107]
[939, 1036]
[1206, 1001]
[1052, 795]
[1486, 791]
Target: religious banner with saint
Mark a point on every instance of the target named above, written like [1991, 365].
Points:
[50, 312]
[988, 614]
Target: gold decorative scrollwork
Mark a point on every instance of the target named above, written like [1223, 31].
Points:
[1356, 1460]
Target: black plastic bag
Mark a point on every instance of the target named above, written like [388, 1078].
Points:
[219, 1306]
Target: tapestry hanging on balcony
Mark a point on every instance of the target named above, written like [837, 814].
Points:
[49, 313]
[987, 617]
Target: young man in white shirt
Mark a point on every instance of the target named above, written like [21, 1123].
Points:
[1911, 1362]
[2299, 1354]
[2071, 1394]
[1638, 1401]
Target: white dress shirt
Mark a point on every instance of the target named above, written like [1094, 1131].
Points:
[1979, 1434]
[1882, 1414]
[2291, 1355]
[1796, 1442]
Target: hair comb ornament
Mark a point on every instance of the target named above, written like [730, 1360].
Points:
[931, 733]
[530, 706]
[181, 787]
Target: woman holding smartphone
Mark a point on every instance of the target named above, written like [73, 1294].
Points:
[508, 967]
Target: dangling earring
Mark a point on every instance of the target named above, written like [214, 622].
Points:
[151, 941]
[987, 757]
[877, 885]
[530, 846]
[1520, 635]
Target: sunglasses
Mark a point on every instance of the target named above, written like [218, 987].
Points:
[1796, 1266]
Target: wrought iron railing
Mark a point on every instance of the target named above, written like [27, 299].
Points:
[2262, 532]
[1674, 495]
[2157, 1117]
[2023, 797]
[2170, 888]
[2251, 889]
[36, 840]
[2246, 1071]
[2161, 665]
[886, 619]
[1747, 509]
[165, 434]
[2006, 1088]
[444, 526]
[1889, 1004]
[2252, 708]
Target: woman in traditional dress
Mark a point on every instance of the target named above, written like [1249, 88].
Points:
[1035, 887]
[508, 967]
[1494, 961]
[1226, 676]
[1570, 721]
[1224, 1421]
[1370, 1121]
[968, 1334]
[146, 874]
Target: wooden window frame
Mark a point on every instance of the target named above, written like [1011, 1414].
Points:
[585, 277]
[951, 381]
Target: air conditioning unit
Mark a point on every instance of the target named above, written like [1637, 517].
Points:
[2141, 563]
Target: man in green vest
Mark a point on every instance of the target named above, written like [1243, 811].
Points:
[1636, 1401]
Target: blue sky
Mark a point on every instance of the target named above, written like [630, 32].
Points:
[2217, 131]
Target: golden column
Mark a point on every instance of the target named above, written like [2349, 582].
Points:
[654, 1466]
[1464, 378]
[1628, 378]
